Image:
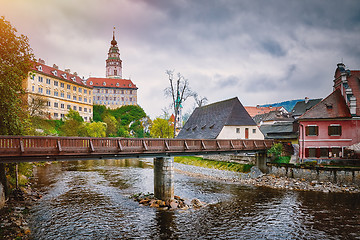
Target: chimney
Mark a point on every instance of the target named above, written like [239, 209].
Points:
[67, 70]
[41, 61]
[306, 100]
[55, 66]
[258, 106]
[75, 73]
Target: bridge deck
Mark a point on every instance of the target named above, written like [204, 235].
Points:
[37, 148]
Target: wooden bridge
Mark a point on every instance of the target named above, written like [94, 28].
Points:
[38, 148]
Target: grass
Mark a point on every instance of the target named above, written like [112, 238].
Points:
[200, 162]
[282, 159]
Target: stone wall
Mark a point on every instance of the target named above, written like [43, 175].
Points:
[342, 177]
[2, 196]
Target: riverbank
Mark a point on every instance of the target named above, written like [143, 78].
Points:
[276, 182]
[13, 217]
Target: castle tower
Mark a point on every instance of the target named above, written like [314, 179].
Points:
[113, 62]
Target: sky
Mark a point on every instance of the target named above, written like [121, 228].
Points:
[261, 51]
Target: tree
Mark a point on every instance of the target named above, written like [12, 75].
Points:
[94, 129]
[179, 91]
[15, 63]
[161, 128]
[73, 123]
[37, 106]
[111, 123]
[200, 101]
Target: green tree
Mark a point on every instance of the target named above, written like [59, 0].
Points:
[111, 125]
[98, 111]
[94, 129]
[73, 123]
[161, 128]
[15, 64]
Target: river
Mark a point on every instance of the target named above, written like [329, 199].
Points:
[91, 200]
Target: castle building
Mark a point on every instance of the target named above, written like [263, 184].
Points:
[61, 90]
[113, 91]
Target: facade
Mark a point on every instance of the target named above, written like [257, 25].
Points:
[113, 91]
[62, 91]
[331, 126]
[222, 120]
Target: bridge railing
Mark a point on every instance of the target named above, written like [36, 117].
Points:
[40, 146]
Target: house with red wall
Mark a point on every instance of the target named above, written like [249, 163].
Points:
[332, 125]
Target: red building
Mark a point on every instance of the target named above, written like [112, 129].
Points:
[334, 123]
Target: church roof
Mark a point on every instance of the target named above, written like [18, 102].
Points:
[111, 83]
[207, 122]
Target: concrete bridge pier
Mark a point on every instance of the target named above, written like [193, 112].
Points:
[261, 159]
[163, 178]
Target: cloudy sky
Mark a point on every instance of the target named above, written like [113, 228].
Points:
[260, 51]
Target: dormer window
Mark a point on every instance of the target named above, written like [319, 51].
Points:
[130, 85]
[117, 84]
[39, 68]
[73, 78]
[54, 72]
[64, 75]
[104, 83]
[91, 83]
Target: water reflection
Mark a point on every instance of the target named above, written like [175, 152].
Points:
[90, 200]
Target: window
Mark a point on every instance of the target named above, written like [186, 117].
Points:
[98, 90]
[62, 85]
[62, 94]
[89, 92]
[254, 130]
[74, 88]
[85, 91]
[80, 89]
[89, 110]
[80, 109]
[106, 91]
[85, 109]
[56, 83]
[62, 115]
[40, 90]
[80, 99]
[312, 130]
[56, 104]
[237, 130]
[85, 99]
[62, 105]
[68, 86]
[334, 130]
[48, 91]
[74, 97]
[56, 115]
[68, 96]
[130, 91]
[48, 103]
[310, 152]
[33, 88]
[56, 93]
[336, 152]
[324, 152]
[40, 79]
[85, 118]
[74, 108]
[68, 107]
[48, 81]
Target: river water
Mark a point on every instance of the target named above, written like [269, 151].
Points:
[90, 200]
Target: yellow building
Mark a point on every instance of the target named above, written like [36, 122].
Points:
[62, 91]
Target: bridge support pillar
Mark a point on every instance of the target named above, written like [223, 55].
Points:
[163, 178]
[261, 160]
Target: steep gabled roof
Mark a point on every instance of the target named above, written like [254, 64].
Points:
[253, 111]
[301, 107]
[277, 116]
[333, 106]
[207, 122]
[111, 83]
[281, 130]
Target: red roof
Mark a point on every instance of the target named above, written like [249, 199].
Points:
[59, 74]
[111, 83]
[333, 106]
[253, 111]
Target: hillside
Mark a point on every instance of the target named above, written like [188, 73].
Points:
[288, 105]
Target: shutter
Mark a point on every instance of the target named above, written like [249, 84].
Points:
[317, 130]
[317, 152]
[306, 152]
[329, 131]
[307, 130]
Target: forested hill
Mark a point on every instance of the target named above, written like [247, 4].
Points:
[288, 105]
